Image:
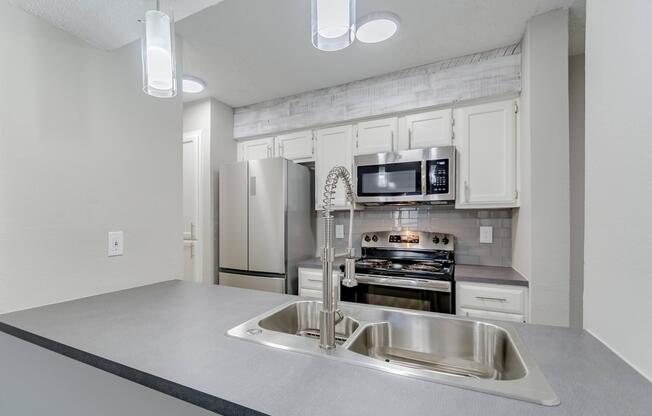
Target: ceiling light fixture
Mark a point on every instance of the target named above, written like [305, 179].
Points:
[333, 24]
[159, 63]
[193, 85]
[377, 27]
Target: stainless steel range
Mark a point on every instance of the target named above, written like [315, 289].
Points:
[405, 269]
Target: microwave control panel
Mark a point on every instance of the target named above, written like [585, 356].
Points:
[438, 176]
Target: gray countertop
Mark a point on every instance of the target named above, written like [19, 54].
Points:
[489, 274]
[171, 337]
[315, 262]
[463, 272]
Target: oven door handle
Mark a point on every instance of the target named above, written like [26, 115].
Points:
[419, 284]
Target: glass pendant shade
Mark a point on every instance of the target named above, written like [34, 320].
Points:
[333, 24]
[159, 63]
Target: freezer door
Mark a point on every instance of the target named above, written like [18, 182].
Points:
[267, 202]
[233, 216]
[265, 283]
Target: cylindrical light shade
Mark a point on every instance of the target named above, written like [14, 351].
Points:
[333, 24]
[159, 63]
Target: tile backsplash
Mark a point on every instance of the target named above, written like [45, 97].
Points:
[463, 224]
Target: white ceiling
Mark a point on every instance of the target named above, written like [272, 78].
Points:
[254, 50]
[249, 51]
[106, 24]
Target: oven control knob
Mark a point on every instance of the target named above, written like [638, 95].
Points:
[445, 240]
[367, 239]
[435, 240]
[375, 238]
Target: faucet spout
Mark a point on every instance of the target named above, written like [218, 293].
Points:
[329, 316]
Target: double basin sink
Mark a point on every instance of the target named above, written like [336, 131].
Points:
[441, 348]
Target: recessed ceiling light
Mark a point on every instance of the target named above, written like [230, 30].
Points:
[193, 85]
[377, 27]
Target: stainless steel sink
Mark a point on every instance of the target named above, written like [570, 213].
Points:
[457, 351]
[302, 318]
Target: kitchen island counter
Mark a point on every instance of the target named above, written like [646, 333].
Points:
[171, 337]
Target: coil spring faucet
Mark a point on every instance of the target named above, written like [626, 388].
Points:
[329, 311]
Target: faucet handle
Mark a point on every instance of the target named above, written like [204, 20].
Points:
[349, 273]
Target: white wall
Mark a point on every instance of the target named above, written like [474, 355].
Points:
[618, 227]
[82, 152]
[576, 101]
[541, 237]
[215, 120]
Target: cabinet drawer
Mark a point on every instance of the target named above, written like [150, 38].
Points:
[313, 279]
[310, 293]
[474, 313]
[500, 298]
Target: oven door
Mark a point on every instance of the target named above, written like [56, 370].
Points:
[417, 294]
[390, 177]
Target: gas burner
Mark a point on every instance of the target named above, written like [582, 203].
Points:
[374, 263]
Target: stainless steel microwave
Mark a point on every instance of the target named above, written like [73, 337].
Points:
[409, 176]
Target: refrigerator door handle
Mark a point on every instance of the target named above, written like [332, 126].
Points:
[252, 186]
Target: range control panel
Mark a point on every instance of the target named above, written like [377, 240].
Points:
[409, 239]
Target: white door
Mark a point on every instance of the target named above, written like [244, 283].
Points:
[298, 146]
[256, 149]
[191, 244]
[376, 136]
[429, 129]
[334, 148]
[486, 145]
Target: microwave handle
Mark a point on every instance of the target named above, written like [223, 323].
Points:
[424, 177]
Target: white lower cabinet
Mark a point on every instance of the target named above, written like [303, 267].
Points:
[490, 301]
[311, 282]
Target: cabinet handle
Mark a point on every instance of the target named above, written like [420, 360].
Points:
[252, 186]
[269, 151]
[393, 142]
[280, 150]
[192, 231]
[409, 138]
[466, 191]
[314, 280]
[490, 298]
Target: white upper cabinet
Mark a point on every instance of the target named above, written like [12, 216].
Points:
[429, 129]
[486, 140]
[333, 148]
[297, 146]
[256, 149]
[376, 136]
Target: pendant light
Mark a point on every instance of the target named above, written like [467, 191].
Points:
[159, 62]
[333, 24]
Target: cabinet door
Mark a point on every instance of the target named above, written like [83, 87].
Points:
[296, 146]
[376, 136]
[430, 129]
[486, 145]
[334, 148]
[257, 149]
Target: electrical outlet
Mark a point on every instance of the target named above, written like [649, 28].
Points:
[487, 235]
[339, 230]
[116, 246]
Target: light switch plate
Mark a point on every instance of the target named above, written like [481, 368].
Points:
[486, 234]
[116, 245]
[339, 230]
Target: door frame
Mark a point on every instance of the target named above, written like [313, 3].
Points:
[196, 135]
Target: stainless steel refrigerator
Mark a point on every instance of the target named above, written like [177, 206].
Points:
[264, 224]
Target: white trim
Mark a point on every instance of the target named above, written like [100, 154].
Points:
[629, 363]
[190, 136]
